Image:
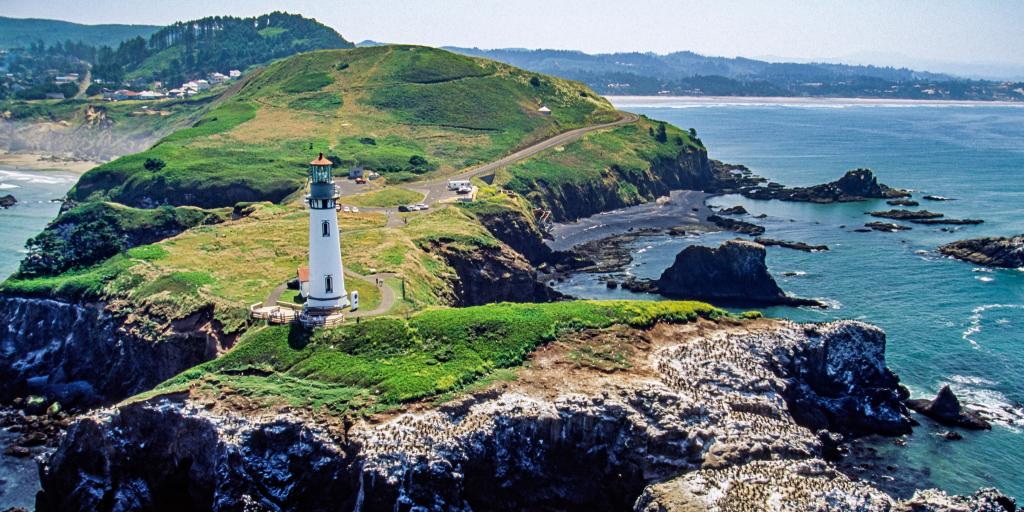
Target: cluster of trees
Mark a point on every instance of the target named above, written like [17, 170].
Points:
[195, 48]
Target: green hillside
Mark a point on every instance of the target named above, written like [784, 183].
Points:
[18, 32]
[408, 112]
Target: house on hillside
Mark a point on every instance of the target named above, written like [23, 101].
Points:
[234, 73]
[303, 277]
[544, 110]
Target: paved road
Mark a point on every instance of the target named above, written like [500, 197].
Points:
[437, 189]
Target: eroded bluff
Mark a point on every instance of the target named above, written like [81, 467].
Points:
[700, 416]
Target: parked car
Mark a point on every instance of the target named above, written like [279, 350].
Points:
[421, 206]
[355, 209]
[405, 208]
[464, 190]
[361, 181]
[346, 209]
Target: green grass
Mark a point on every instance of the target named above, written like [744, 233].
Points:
[319, 102]
[307, 82]
[386, 361]
[384, 198]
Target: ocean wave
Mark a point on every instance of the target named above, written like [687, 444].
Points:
[45, 178]
[985, 279]
[978, 395]
[974, 321]
[7, 186]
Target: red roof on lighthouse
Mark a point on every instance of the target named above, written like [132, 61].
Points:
[321, 161]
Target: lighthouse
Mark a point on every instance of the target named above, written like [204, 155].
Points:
[326, 278]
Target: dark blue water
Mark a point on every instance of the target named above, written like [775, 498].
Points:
[35, 192]
[948, 322]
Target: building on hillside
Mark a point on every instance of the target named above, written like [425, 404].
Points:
[202, 85]
[302, 275]
[356, 172]
[150, 95]
[234, 73]
[217, 78]
[544, 110]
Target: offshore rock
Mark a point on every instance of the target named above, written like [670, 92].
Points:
[945, 408]
[737, 226]
[906, 214]
[855, 185]
[797, 246]
[699, 402]
[991, 251]
[7, 201]
[734, 273]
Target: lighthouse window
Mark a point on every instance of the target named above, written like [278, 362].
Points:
[326, 226]
[329, 284]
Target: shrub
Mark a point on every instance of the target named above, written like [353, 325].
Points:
[154, 164]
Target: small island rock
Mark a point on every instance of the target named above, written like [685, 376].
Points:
[7, 201]
[945, 408]
[991, 251]
[855, 185]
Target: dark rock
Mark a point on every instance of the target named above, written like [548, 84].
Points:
[855, 185]
[761, 216]
[955, 222]
[17, 451]
[7, 201]
[864, 230]
[945, 408]
[611, 284]
[937, 198]
[491, 274]
[737, 226]
[799, 246]
[991, 251]
[890, 227]
[733, 273]
[906, 214]
[951, 435]
[902, 202]
[735, 210]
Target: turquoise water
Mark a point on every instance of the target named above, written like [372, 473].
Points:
[35, 192]
[948, 322]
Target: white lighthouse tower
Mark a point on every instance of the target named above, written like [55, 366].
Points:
[326, 278]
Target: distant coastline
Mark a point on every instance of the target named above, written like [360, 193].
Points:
[659, 101]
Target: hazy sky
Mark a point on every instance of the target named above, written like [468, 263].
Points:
[914, 33]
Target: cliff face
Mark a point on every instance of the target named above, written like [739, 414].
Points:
[491, 274]
[83, 354]
[690, 170]
[700, 404]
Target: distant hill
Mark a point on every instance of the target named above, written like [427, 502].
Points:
[688, 73]
[193, 48]
[16, 32]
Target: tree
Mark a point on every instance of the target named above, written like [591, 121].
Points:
[679, 141]
[534, 81]
[154, 164]
[662, 136]
[693, 133]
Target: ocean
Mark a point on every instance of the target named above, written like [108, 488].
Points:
[35, 192]
[948, 322]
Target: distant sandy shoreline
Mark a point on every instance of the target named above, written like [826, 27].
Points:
[42, 162]
[656, 101]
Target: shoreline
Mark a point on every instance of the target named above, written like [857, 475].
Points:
[43, 162]
[797, 101]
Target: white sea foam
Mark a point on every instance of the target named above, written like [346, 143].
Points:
[974, 321]
[7, 186]
[985, 279]
[977, 394]
[42, 178]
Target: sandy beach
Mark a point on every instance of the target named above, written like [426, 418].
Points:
[40, 162]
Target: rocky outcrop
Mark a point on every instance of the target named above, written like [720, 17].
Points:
[734, 210]
[84, 354]
[952, 222]
[945, 408]
[734, 273]
[7, 201]
[855, 185]
[902, 202]
[702, 406]
[736, 226]
[991, 251]
[906, 214]
[797, 246]
[490, 274]
[888, 227]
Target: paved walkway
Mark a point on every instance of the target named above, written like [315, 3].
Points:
[387, 295]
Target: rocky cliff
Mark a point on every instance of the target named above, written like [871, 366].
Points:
[695, 407]
[993, 251]
[85, 354]
[567, 201]
[855, 185]
[490, 274]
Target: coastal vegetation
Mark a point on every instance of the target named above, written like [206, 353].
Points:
[380, 363]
